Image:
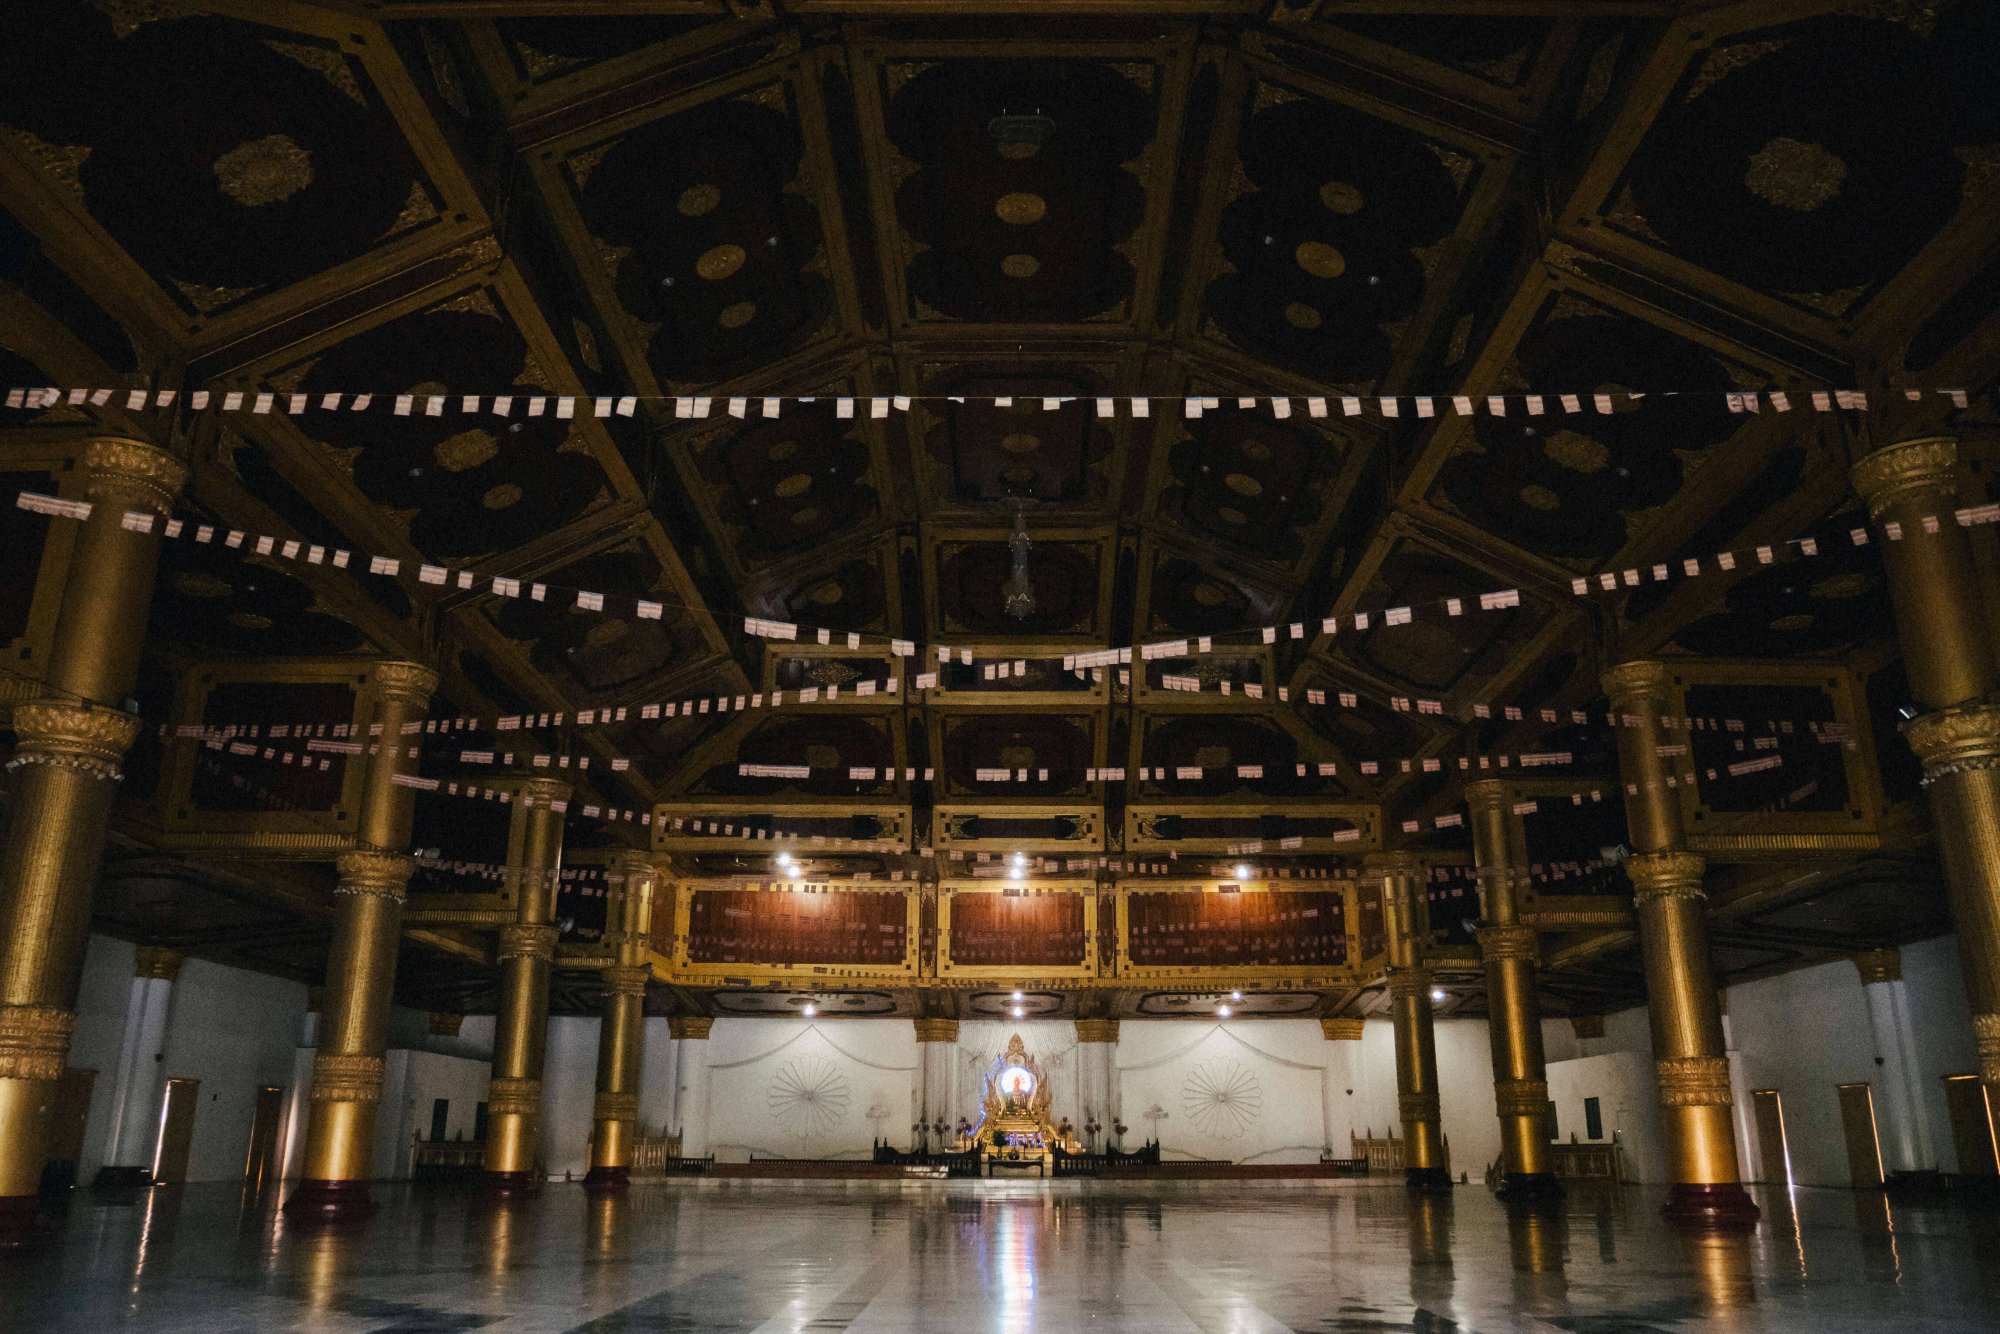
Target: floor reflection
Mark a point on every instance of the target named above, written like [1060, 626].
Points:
[866, 1257]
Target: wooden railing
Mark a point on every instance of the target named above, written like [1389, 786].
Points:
[447, 1160]
[1602, 1161]
[1384, 1154]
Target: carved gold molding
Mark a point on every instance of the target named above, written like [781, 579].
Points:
[157, 961]
[513, 1097]
[1884, 965]
[615, 1107]
[543, 791]
[527, 940]
[66, 737]
[346, 1078]
[626, 981]
[1417, 1107]
[1925, 468]
[132, 473]
[1693, 1081]
[939, 1030]
[1955, 740]
[1986, 1032]
[34, 1040]
[1341, 1030]
[1488, 794]
[1636, 682]
[1097, 1030]
[404, 680]
[1406, 982]
[1507, 943]
[383, 875]
[1666, 875]
[1520, 1097]
[690, 1026]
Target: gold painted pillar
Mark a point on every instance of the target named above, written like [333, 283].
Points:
[1513, 999]
[361, 967]
[69, 745]
[1686, 1018]
[527, 956]
[1406, 920]
[1954, 670]
[621, 1039]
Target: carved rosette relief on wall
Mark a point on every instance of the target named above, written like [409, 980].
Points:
[808, 1097]
[1222, 1099]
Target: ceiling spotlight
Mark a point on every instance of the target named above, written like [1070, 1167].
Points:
[1017, 1012]
[1244, 871]
[1222, 1012]
[810, 1010]
[1015, 996]
[795, 870]
[1437, 996]
[1236, 995]
[784, 859]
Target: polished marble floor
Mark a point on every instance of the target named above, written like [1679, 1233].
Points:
[964, 1257]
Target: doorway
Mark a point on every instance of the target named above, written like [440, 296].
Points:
[1857, 1128]
[1971, 1110]
[260, 1166]
[1771, 1144]
[170, 1156]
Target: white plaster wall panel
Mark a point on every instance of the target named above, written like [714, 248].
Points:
[569, 1093]
[1801, 1034]
[1559, 1040]
[1941, 1016]
[233, 1030]
[1244, 1092]
[100, 1028]
[1465, 1093]
[656, 1078]
[412, 1082]
[1628, 1103]
[790, 1089]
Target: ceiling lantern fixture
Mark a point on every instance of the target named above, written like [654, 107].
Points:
[1020, 590]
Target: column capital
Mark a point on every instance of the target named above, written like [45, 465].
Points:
[527, 940]
[34, 1040]
[693, 1027]
[1666, 875]
[1410, 982]
[68, 737]
[157, 961]
[1341, 1030]
[633, 861]
[445, 1025]
[1955, 740]
[626, 981]
[1587, 1026]
[1643, 680]
[1489, 794]
[1883, 965]
[1097, 1030]
[382, 875]
[1922, 469]
[938, 1030]
[544, 792]
[407, 680]
[119, 470]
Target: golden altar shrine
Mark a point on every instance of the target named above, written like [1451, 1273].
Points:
[1015, 1135]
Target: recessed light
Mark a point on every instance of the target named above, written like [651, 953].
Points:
[1438, 996]
[1017, 1012]
[1236, 995]
[810, 1010]
[1222, 1011]
[1244, 871]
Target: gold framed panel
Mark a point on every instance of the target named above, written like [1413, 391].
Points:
[289, 835]
[720, 825]
[964, 826]
[795, 665]
[1267, 977]
[1144, 827]
[1043, 660]
[1084, 971]
[679, 967]
[1752, 835]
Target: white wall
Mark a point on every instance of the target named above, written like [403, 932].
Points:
[412, 1081]
[100, 1028]
[1801, 1033]
[569, 1094]
[799, 1089]
[234, 1031]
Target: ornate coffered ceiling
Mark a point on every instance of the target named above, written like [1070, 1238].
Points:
[1060, 200]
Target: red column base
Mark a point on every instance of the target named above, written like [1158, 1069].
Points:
[329, 1202]
[1718, 1205]
[1429, 1180]
[22, 1222]
[511, 1185]
[607, 1180]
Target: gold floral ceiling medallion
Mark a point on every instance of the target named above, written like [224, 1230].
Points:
[264, 171]
[1794, 175]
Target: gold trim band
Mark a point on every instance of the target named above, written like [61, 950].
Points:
[34, 1041]
[1693, 1081]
